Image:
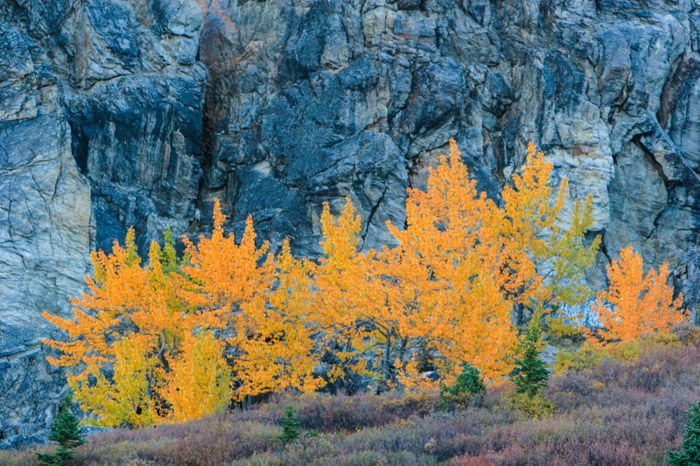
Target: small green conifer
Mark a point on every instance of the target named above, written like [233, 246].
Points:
[689, 454]
[531, 374]
[468, 388]
[66, 432]
[290, 425]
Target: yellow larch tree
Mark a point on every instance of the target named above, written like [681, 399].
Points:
[464, 265]
[149, 342]
[634, 303]
[127, 335]
[464, 305]
[349, 304]
[196, 379]
[410, 293]
[537, 226]
[124, 325]
[258, 304]
[275, 345]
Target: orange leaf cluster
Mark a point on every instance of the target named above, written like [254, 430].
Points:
[636, 304]
[132, 330]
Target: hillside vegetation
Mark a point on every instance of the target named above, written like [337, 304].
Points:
[623, 407]
[179, 337]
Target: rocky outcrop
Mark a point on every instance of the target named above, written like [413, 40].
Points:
[100, 128]
[312, 101]
[132, 112]
[45, 229]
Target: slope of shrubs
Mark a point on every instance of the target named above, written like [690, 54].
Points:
[624, 407]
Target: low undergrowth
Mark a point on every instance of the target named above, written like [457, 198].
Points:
[610, 409]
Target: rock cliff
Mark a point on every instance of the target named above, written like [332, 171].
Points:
[140, 112]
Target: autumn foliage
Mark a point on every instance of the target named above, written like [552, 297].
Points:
[636, 304]
[134, 339]
[172, 339]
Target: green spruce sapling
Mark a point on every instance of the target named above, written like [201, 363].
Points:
[531, 374]
[468, 389]
[290, 425]
[689, 454]
[66, 432]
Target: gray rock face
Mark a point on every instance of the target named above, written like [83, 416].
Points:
[100, 128]
[45, 216]
[130, 112]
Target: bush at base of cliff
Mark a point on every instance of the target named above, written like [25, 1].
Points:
[535, 406]
[620, 412]
[468, 390]
[588, 357]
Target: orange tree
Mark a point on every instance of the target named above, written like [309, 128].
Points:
[274, 344]
[455, 272]
[148, 343]
[367, 317]
[126, 335]
[349, 302]
[260, 305]
[634, 303]
[463, 266]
